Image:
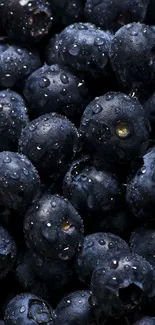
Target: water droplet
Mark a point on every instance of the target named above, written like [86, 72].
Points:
[48, 224]
[64, 78]
[53, 204]
[66, 253]
[143, 170]
[98, 41]
[39, 262]
[109, 97]
[101, 242]
[90, 244]
[25, 171]
[80, 301]
[97, 109]
[74, 50]
[7, 159]
[44, 82]
[68, 302]
[111, 245]
[38, 148]
[22, 309]
[126, 267]
[134, 33]
[14, 175]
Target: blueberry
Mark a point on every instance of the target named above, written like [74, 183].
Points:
[53, 228]
[96, 248]
[120, 223]
[146, 320]
[143, 243]
[132, 55]
[119, 285]
[140, 195]
[17, 63]
[50, 142]
[53, 274]
[13, 118]
[74, 309]
[26, 21]
[67, 12]
[111, 14]
[92, 192]
[8, 252]
[114, 126]
[82, 47]
[19, 180]
[28, 309]
[56, 89]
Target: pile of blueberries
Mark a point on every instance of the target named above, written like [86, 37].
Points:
[77, 162]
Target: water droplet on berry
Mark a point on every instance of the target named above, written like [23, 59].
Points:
[97, 109]
[22, 309]
[53, 204]
[64, 78]
[101, 242]
[74, 50]
[44, 82]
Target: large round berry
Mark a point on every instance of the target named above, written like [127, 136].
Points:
[56, 89]
[28, 309]
[132, 55]
[96, 249]
[50, 142]
[13, 118]
[74, 309]
[114, 127]
[111, 14]
[92, 192]
[19, 180]
[17, 63]
[140, 193]
[27, 21]
[53, 228]
[82, 47]
[119, 285]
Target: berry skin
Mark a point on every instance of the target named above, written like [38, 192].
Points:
[53, 228]
[142, 243]
[146, 320]
[8, 252]
[118, 285]
[55, 275]
[82, 47]
[13, 118]
[17, 63]
[111, 15]
[96, 249]
[26, 21]
[92, 192]
[140, 195]
[74, 309]
[149, 108]
[67, 12]
[19, 180]
[27, 309]
[115, 128]
[132, 55]
[56, 89]
[50, 142]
